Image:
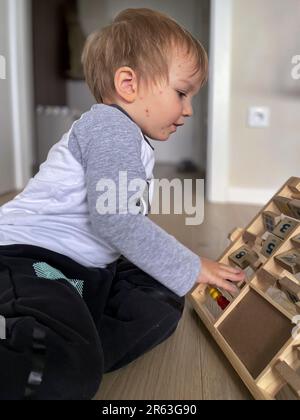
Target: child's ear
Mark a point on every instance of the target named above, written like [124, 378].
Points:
[126, 84]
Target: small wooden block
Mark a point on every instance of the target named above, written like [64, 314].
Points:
[255, 257]
[294, 185]
[294, 205]
[270, 220]
[235, 234]
[290, 288]
[241, 257]
[256, 261]
[296, 241]
[290, 376]
[271, 245]
[283, 204]
[290, 261]
[266, 277]
[257, 249]
[251, 239]
[248, 237]
[285, 227]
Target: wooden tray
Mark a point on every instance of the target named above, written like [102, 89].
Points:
[259, 331]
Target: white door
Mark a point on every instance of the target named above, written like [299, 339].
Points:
[7, 177]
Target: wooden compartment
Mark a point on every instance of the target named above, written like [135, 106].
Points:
[256, 332]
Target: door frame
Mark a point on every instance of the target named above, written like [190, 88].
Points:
[218, 148]
[21, 87]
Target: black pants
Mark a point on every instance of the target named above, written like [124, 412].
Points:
[66, 324]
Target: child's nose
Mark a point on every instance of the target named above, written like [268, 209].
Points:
[188, 110]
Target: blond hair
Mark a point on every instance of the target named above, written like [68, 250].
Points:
[142, 39]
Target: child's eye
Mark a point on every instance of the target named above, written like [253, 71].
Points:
[181, 94]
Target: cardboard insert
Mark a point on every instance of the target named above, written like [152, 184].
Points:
[256, 332]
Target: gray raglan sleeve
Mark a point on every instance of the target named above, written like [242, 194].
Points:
[116, 148]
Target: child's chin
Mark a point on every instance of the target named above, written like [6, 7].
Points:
[164, 137]
[160, 137]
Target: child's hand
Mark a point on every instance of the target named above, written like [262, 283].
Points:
[217, 274]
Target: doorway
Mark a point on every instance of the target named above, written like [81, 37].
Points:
[65, 91]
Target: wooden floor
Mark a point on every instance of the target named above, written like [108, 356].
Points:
[6, 197]
[189, 365]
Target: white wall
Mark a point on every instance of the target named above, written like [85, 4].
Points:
[189, 142]
[7, 175]
[265, 38]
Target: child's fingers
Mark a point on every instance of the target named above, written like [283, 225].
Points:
[225, 285]
[232, 276]
[231, 269]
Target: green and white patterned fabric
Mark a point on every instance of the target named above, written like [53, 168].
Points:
[45, 271]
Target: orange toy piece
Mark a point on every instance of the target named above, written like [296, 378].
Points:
[219, 298]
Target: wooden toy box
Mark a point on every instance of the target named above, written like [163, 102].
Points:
[259, 331]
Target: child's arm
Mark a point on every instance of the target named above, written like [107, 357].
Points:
[113, 145]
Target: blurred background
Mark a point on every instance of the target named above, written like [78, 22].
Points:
[244, 137]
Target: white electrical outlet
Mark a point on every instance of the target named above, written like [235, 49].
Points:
[259, 116]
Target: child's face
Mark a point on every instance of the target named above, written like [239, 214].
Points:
[160, 109]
